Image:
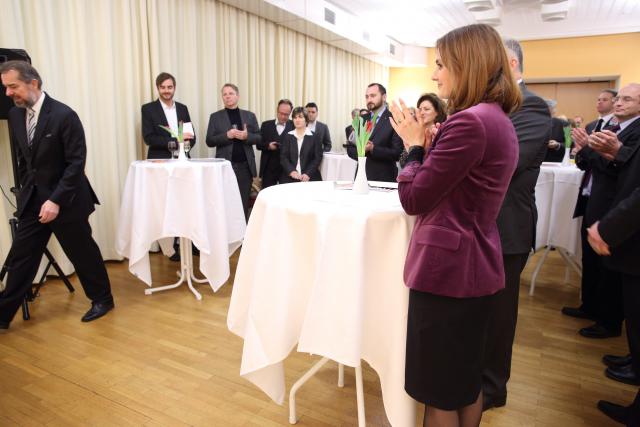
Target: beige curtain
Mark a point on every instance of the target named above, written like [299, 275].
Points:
[101, 57]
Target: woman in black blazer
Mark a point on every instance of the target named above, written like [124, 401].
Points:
[300, 154]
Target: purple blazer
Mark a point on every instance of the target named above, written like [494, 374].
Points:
[457, 193]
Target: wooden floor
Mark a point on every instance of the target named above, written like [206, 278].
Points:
[170, 360]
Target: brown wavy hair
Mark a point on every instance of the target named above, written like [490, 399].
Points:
[479, 66]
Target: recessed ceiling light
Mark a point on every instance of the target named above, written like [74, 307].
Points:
[478, 5]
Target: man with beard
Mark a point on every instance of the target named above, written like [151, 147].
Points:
[166, 112]
[385, 146]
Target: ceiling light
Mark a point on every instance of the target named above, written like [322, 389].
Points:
[489, 17]
[551, 1]
[478, 5]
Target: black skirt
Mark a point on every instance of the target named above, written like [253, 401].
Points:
[445, 348]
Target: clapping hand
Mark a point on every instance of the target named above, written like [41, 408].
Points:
[411, 129]
[606, 143]
[580, 137]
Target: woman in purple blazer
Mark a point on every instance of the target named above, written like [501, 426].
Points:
[454, 182]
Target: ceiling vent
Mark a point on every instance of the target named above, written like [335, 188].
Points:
[478, 5]
[554, 12]
[329, 16]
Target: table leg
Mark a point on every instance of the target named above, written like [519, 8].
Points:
[186, 271]
[534, 276]
[293, 419]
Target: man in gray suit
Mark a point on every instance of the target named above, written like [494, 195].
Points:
[234, 132]
[516, 224]
[319, 129]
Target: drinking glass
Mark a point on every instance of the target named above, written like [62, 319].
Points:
[172, 146]
[187, 146]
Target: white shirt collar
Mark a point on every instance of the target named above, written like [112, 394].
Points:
[627, 123]
[171, 107]
[606, 119]
[306, 132]
[38, 105]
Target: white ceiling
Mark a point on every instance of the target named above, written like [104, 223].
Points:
[422, 22]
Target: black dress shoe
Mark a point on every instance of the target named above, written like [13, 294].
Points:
[493, 402]
[577, 312]
[97, 310]
[624, 374]
[598, 331]
[175, 257]
[616, 412]
[616, 361]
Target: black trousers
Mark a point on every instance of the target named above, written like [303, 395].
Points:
[502, 330]
[26, 253]
[245, 179]
[631, 293]
[270, 177]
[601, 288]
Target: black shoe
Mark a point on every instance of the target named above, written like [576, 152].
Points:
[616, 361]
[195, 251]
[616, 412]
[624, 374]
[577, 312]
[97, 310]
[175, 257]
[598, 331]
[493, 402]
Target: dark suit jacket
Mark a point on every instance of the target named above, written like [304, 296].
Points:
[310, 157]
[518, 217]
[322, 135]
[387, 147]
[53, 168]
[270, 159]
[154, 136]
[605, 174]
[456, 194]
[347, 131]
[620, 226]
[581, 203]
[219, 124]
[557, 134]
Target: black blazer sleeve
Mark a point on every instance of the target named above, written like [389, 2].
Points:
[623, 221]
[285, 154]
[251, 125]
[152, 134]
[532, 123]
[315, 153]
[216, 135]
[265, 133]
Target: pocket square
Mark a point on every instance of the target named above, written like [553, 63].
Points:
[48, 135]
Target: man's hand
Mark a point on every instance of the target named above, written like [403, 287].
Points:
[368, 147]
[595, 240]
[304, 177]
[273, 145]
[187, 136]
[606, 143]
[242, 134]
[580, 137]
[48, 212]
[232, 133]
[553, 144]
[295, 175]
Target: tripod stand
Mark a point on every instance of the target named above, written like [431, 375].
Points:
[35, 290]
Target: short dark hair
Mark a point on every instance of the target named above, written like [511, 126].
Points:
[26, 72]
[611, 91]
[285, 101]
[438, 105]
[515, 48]
[381, 88]
[164, 76]
[300, 111]
[232, 86]
[311, 105]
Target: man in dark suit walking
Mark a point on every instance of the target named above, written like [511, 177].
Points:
[517, 225]
[272, 132]
[55, 195]
[234, 132]
[319, 129]
[385, 146]
[591, 262]
[166, 112]
[616, 236]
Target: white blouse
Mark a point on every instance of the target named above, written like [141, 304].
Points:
[300, 141]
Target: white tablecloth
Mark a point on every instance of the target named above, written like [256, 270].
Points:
[198, 199]
[323, 268]
[556, 194]
[337, 167]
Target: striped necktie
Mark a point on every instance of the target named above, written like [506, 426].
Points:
[31, 125]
